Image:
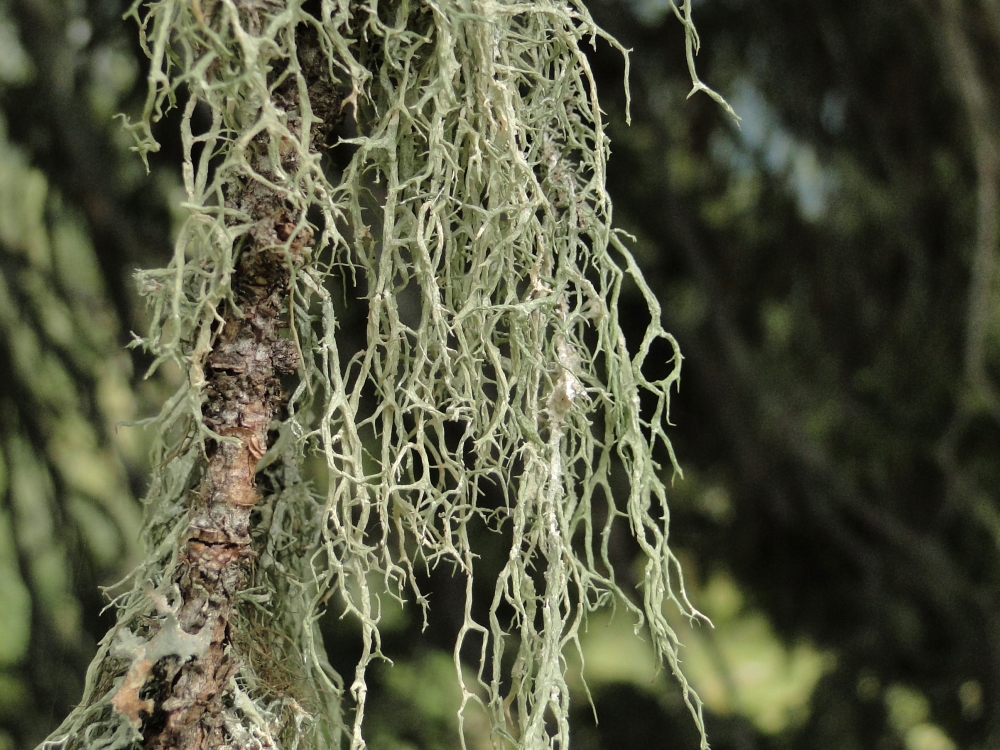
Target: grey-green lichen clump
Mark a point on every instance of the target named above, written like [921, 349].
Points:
[472, 213]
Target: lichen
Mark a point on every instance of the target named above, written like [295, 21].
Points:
[472, 214]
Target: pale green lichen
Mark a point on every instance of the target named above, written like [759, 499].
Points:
[474, 218]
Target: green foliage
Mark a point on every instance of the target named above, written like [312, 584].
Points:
[67, 519]
[472, 217]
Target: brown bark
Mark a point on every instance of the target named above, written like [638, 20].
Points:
[179, 698]
[244, 395]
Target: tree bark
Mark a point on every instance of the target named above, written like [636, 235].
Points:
[179, 703]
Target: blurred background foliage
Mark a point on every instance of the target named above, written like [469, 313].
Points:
[829, 270]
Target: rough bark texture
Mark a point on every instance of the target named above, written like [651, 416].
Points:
[244, 395]
[180, 702]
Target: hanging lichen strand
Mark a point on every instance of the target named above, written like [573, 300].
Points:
[473, 217]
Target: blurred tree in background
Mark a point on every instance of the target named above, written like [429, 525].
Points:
[828, 270]
[77, 215]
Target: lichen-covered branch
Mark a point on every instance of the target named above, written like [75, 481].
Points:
[243, 394]
[495, 385]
